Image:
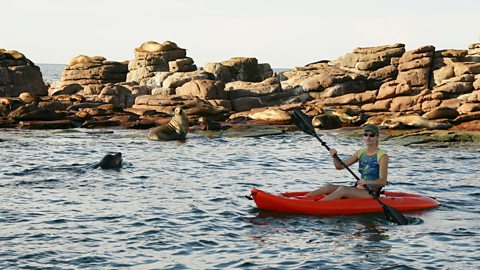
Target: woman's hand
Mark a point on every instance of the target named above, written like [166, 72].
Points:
[333, 152]
[360, 184]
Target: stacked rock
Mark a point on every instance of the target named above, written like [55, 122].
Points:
[378, 64]
[245, 96]
[402, 94]
[459, 91]
[473, 54]
[443, 65]
[246, 80]
[18, 74]
[324, 81]
[88, 75]
[452, 83]
[152, 57]
[239, 69]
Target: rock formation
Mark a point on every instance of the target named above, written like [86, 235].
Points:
[18, 74]
[152, 57]
[88, 75]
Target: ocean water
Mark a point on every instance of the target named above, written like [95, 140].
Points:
[182, 205]
[51, 72]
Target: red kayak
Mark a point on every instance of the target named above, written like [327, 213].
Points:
[297, 202]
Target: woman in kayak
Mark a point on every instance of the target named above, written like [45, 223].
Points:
[373, 167]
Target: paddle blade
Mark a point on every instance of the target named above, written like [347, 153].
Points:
[303, 122]
[394, 215]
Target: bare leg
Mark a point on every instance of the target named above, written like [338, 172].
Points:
[326, 189]
[346, 192]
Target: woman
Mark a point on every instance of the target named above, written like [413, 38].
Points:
[373, 167]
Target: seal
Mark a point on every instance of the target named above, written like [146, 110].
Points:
[176, 129]
[414, 121]
[348, 115]
[271, 114]
[327, 120]
[26, 97]
[83, 59]
[208, 124]
[439, 113]
[5, 106]
[150, 47]
[110, 162]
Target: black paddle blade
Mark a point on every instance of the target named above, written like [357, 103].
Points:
[394, 215]
[303, 122]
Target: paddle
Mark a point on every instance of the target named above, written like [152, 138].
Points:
[304, 123]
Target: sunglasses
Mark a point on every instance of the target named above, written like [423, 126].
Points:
[371, 135]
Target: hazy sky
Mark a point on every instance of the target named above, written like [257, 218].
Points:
[280, 32]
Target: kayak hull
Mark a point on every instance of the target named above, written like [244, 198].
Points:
[297, 202]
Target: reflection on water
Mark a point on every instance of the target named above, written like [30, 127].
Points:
[182, 205]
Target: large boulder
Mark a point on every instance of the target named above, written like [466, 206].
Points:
[18, 74]
[123, 94]
[206, 89]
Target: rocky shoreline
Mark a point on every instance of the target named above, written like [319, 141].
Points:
[435, 93]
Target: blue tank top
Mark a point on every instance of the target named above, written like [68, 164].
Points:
[368, 167]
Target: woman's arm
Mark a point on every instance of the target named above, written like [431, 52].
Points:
[349, 161]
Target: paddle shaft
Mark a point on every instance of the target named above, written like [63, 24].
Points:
[337, 157]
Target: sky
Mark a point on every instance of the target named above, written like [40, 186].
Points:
[283, 33]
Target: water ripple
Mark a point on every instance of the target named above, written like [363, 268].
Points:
[182, 206]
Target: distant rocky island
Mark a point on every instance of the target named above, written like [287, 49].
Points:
[385, 85]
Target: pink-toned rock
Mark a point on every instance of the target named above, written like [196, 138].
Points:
[468, 108]
[466, 68]
[180, 78]
[320, 76]
[378, 106]
[454, 88]
[441, 113]
[221, 103]
[206, 89]
[474, 96]
[430, 105]
[414, 64]
[239, 89]
[394, 88]
[402, 103]
[182, 65]
[451, 103]
[122, 94]
[415, 77]
[472, 125]
[386, 73]
[441, 74]
[53, 124]
[458, 54]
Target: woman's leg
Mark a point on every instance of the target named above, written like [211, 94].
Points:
[326, 189]
[346, 192]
